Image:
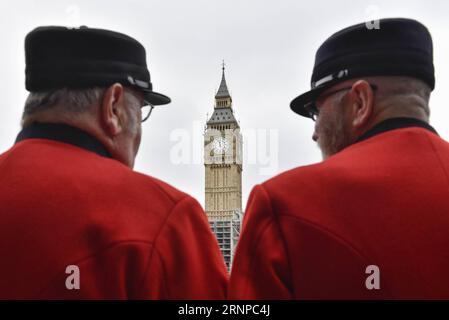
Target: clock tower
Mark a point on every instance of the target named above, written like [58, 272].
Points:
[223, 165]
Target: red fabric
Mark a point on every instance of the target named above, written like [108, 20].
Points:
[132, 236]
[310, 233]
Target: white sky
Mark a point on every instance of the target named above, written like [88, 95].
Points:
[268, 47]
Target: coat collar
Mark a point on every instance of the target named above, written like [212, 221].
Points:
[395, 123]
[63, 133]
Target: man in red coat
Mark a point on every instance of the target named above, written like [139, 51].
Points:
[76, 221]
[372, 219]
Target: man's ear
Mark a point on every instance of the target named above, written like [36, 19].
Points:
[362, 102]
[112, 109]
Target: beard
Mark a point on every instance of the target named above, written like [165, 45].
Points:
[334, 135]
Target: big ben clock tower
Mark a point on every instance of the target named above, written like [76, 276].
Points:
[223, 165]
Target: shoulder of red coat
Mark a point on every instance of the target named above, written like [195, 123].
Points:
[165, 188]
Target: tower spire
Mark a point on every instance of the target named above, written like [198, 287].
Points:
[223, 89]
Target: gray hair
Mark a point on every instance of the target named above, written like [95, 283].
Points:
[407, 85]
[404, 92]
[71, 100]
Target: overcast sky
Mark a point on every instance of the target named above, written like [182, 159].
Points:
[268, 48]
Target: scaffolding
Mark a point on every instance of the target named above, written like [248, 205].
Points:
[227, 232]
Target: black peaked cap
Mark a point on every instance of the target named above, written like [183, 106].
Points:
[400, 47]
[58, 57]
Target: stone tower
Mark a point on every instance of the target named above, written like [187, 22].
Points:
[223, 165]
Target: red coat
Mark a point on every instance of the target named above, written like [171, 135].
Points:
[131, 236]
[312, 232]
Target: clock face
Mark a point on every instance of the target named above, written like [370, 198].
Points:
[220, 145]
